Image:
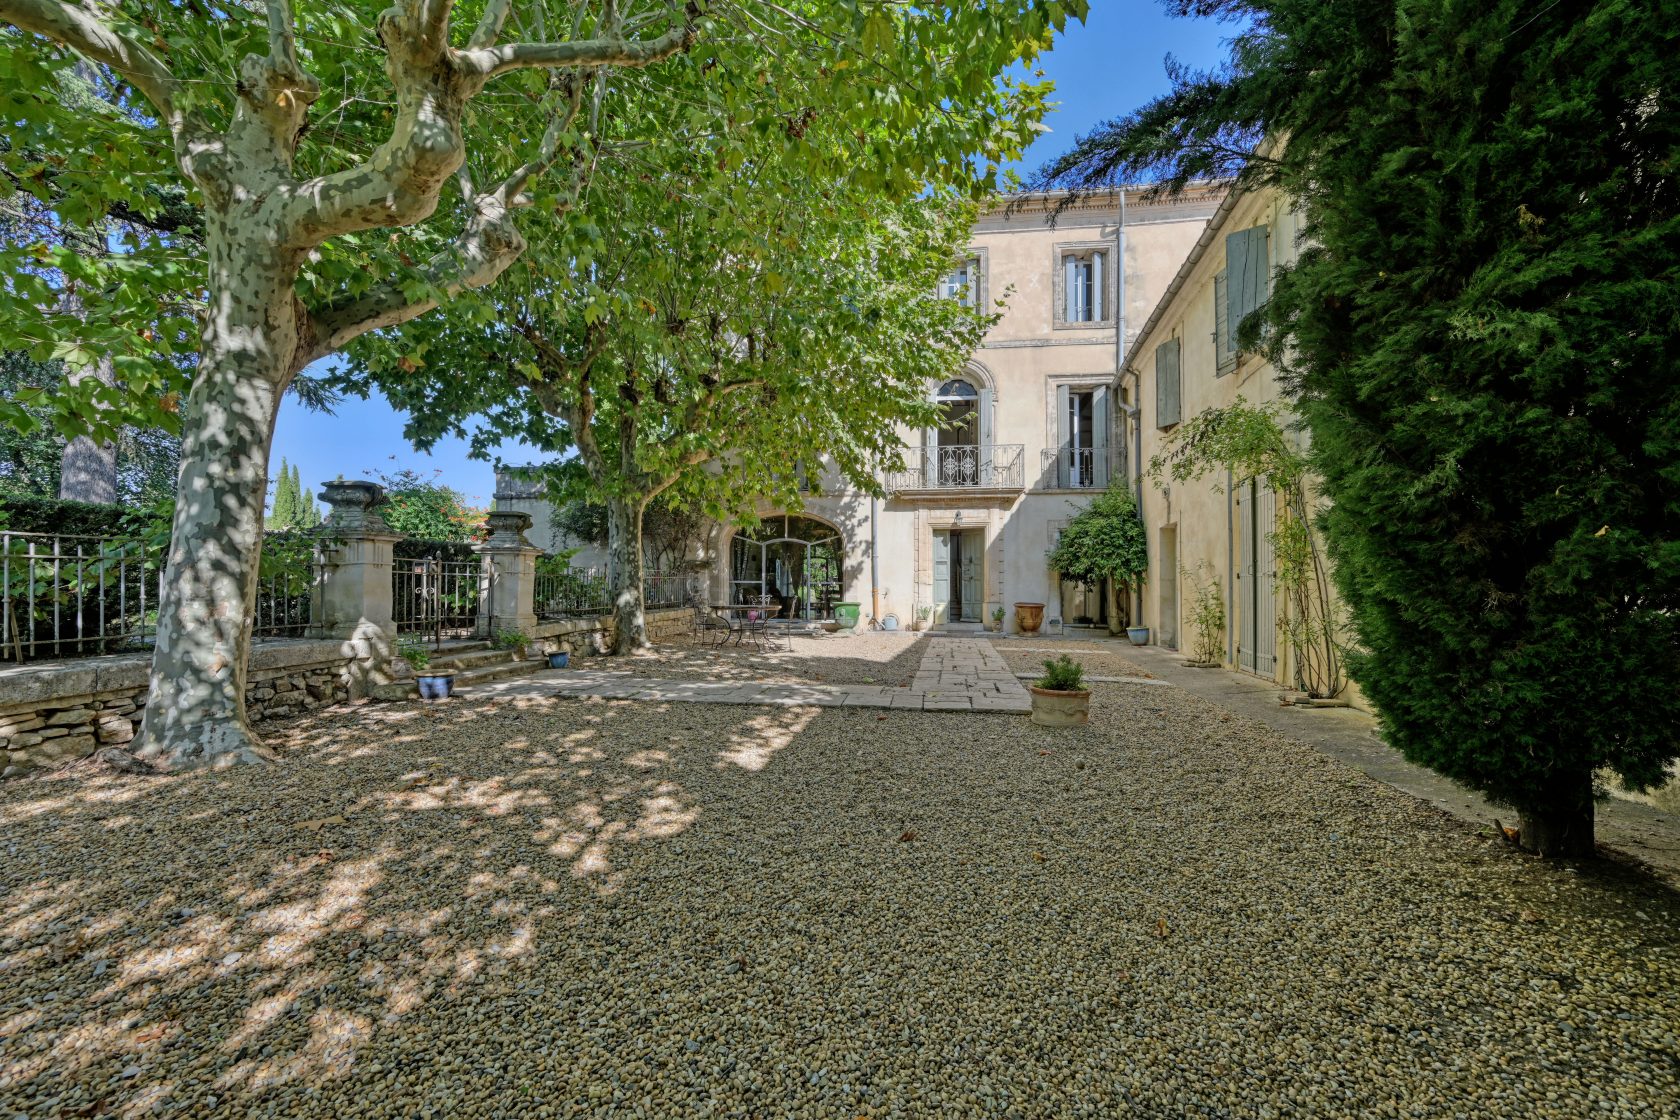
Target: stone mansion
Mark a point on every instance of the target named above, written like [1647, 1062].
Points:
[1042, 416]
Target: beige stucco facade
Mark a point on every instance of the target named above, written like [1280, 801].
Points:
[965, 528]
[1213, 529]
[1006, 500]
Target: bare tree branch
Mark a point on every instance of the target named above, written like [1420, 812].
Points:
[489, 27]
[490, 62]
[485, 249]
[282, 36]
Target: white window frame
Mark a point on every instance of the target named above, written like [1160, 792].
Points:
[1084, 253]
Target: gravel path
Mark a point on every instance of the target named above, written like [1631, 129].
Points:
[888, 659]
[563, 908]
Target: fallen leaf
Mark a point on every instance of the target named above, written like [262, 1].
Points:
[1043, 753]
[1602, 531]
[1529, 916]
[907, 834]
[317, 825]
[1161, 929]
[152, 1034]
[1038, 857]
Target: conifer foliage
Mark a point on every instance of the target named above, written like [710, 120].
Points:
[1483, 335]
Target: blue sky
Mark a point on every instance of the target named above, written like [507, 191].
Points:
[1108, 66]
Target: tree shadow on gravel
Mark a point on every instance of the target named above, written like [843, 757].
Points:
[824, 660]
[487, 908]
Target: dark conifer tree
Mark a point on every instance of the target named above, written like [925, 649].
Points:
[1483, 335]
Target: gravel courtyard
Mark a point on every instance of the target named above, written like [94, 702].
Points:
[587, 908]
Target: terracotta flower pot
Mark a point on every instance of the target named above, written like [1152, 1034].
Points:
[1052, 708]
[1029, 617]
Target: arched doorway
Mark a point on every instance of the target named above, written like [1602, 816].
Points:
[793, 560]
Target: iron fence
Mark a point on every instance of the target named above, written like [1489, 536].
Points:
[436, 597]
[1074, 468]
[65, 595]
[283, 603]
[73, 595]
[584, 592]
[982, 466]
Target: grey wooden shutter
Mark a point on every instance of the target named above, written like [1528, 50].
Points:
[1248, 276]
[1064, 438]
[1099, 437]
[1167, 389]
[1224, 344]
[1069, 279]
[1096, 287]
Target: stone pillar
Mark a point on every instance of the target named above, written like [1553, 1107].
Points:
[352, 598]
[507, 593]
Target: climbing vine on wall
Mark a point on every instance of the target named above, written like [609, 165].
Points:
[1250, 441]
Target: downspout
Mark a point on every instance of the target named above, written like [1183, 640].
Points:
[1120, 289]
[874, 567]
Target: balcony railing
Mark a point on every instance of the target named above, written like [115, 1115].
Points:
[1074, 468]
[995, 466]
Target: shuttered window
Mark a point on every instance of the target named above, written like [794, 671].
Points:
[1082, 287]
[1168, 398]
[1248, 277]
[1224, 344]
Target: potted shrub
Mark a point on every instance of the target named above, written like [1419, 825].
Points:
[1059, 697]
[432, 686]
[922, 616]
[516, 640]
[1106, 545]
[997, 620]
[1029, 617]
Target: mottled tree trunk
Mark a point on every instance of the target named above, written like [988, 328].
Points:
[624, 557]
[1562, 826]
[196, 712]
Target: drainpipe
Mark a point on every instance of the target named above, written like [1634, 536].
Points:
[874, 567]
[1120, 288]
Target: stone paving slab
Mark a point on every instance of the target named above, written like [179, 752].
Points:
[956, 675]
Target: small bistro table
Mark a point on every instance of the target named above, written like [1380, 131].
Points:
[747, 619]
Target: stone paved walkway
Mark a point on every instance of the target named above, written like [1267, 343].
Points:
[956, 675]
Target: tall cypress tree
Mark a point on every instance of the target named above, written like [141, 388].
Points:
[309, 515]
[285, 511]
[1483, 336]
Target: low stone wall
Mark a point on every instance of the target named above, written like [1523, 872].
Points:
[580, 633]
[60, 711]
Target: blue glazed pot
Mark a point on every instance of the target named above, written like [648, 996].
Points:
[1138, 634]
[435, 686]
[558, 660]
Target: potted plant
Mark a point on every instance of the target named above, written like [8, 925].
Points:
[516, 640]
[432, 686]
[997, 620]
[1106, 545]
[1060, 697]
[1029, 617]
[922, 616]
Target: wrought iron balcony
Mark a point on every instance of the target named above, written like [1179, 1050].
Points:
[992, 466]
[1074, 468]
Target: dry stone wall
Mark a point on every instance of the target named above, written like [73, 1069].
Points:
[58, 712]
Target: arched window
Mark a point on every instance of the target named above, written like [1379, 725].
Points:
[790, 561]
[959, 404]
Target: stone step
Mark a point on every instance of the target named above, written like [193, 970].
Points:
[487, 673]
[451, 661]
